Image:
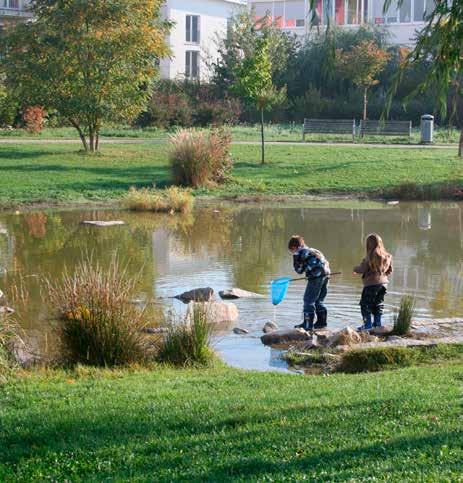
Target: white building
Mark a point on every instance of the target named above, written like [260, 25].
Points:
[192, 39]
[295, 15]
[11, 10]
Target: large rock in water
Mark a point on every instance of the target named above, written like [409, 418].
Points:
[205, 294]
[269, 327]
[216, 312]
[347, 336]
[284, 336]
[237, 293]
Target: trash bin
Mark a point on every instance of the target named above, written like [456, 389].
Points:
[427, 128]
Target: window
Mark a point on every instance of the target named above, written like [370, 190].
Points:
[279, 14]
[353, 12]
[192, 29]
[263, 9]
[339, 10]
[405, 11]
[9, 3]
[294, 13]
[418, 14]
[192, 64]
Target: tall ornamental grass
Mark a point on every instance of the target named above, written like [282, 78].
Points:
[403, 318]
[10, 336]
[98, 324]
[200, 159]
[188, 342]
[173, 199]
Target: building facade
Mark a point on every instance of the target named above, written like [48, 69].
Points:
[295, 15]
[12, 10]
[192, 40]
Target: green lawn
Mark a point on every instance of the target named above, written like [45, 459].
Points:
[59, 173]
[229, 425]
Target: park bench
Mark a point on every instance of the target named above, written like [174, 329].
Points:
[386, 128]
[328, 126]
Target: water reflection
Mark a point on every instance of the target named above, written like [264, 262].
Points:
[245, 246]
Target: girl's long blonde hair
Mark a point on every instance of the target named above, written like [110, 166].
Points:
[377, 256]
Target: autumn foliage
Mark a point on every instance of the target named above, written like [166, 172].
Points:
[34, 118]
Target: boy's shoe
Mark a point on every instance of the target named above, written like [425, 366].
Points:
[367, 325]
[308, 322]
[321, 320]
[377, 321]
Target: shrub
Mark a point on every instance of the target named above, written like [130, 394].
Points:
[34, 119]
[187, 342]
[168, 200]
[216, 112]
[200, 159]
[99, 325]
[403, 318]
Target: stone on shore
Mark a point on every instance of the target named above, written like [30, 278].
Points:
[237, 293]
[217, 312]
[103, 223]
[6, 310]
[283, 336]
[239, 330]
[205, 294]
[347, 336]
[270, 327]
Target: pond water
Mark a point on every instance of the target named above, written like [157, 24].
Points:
[245, 246]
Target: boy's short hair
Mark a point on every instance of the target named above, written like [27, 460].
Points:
[296, 241]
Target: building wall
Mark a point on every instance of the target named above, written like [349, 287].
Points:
[213, 19]
[11, 10]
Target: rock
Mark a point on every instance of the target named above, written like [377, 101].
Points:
[237, 293]
[1, 294]
[217, 312]
[283, 336]
[270, 327]
[347, 336]
[155, 330]
[205, 294]
[393, 203]
[103, 223]
[381, 331]
[239, 330]
[6, 310]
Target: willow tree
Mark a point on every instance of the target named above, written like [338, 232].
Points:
[90, 60]
[440, 45]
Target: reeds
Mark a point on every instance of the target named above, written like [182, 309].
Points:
[199, 159]
[188, 342]
[403, 317]
[98, 324]
[173, 199]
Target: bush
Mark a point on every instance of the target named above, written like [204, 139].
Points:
[34, 119]
[99, 325]
[168, 200]
[200, 159]
[403, 318]
[167, 109]
[216, 112]
[187, 342]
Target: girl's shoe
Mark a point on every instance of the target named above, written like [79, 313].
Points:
[377, 321]
[308, 322]
[321, 320]
[367, 325]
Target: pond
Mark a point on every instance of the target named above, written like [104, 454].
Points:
[245, 246]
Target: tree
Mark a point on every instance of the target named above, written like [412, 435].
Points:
[439, 44]
[254, 83]
[361, 65]
[90, 60]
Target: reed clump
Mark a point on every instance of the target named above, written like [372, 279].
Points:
[10, 337]
[200, 159]
[188, 341]
[403, 317]
[98, 323]
[172, 199]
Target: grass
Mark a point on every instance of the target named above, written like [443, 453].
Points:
[403, 317]
[222, 424]
[172, 199]
[60, 174]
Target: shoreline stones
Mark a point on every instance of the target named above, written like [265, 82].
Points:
[217, 312]
[237, 293]
[205, 294]
[239, 330]
[270, 327]
[284, 336]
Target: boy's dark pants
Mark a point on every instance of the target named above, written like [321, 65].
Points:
[314, 296]
[372, 300]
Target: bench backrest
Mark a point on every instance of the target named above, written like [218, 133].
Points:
[328, 126]
[386, 128]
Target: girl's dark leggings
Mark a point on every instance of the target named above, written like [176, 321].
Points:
[372, 300]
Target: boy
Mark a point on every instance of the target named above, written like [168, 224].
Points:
[317, 269]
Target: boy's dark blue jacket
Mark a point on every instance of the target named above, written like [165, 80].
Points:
[311, 261]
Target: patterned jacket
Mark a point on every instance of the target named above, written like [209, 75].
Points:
[312, 262]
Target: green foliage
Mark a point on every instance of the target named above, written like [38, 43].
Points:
[188, 342]
[8, 107]
[199, 159]
[98, 323]
[90, 60]
[9, 336]
[403, 318]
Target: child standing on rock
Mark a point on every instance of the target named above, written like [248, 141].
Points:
[317, 269]
[375, 269]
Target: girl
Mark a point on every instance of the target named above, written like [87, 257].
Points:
[375, 268]
[316, 267]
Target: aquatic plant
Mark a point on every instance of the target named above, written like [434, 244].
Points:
[403, 317]
[199, 159]
[173, 199]
[10, 336]
[188, 341]
[98, 323]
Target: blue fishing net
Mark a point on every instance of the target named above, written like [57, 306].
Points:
[278, 289]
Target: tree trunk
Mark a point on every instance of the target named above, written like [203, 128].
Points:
[262, 134]
[81, 134]
[91, 137]
[460, 144]
[97, 140]
[365, 103]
